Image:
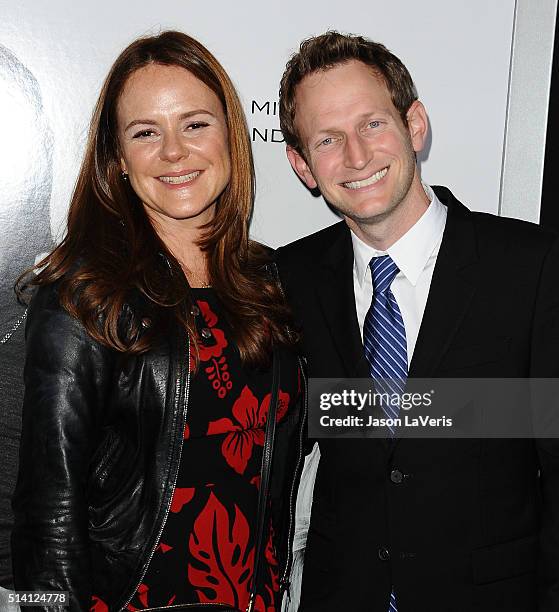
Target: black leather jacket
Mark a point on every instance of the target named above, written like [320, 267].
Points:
[100, 451]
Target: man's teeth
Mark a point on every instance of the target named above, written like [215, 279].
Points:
[366, 182]
[175, 180]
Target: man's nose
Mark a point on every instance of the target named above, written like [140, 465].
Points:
[356, 152]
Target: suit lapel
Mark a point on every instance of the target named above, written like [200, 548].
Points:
[336, 297]
[452, 289]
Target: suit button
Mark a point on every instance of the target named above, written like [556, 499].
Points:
[383, 554]
[396, 476]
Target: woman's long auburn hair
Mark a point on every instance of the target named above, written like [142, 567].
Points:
[111, 250]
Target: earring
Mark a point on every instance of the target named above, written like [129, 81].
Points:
[124, 175]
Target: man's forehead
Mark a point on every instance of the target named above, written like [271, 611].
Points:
[341, 91]
[345, 67]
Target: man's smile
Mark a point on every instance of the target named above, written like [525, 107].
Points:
[368, 181]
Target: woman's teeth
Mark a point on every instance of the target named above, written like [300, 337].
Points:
[175, 180]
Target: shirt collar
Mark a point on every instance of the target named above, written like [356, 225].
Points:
[412, 251]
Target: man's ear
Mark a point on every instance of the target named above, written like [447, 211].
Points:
[301, 168]
[418, 125]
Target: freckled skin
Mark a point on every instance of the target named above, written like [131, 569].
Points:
[182, 130]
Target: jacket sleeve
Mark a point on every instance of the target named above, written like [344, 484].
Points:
[67, 375]
[545, 364]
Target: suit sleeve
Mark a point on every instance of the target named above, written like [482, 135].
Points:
[66, 380]
[545, 364]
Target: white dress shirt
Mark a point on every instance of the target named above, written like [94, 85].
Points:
[415, 254]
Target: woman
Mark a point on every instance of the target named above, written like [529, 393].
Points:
[149, 360]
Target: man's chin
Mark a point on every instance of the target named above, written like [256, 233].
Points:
[370, 216]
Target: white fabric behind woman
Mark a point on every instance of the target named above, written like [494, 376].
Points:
[302, 519]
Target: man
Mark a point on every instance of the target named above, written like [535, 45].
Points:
[25, 234]
[415, 525]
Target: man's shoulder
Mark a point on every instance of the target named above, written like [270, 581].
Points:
[513, 237]
[497, 230]
[309, 247]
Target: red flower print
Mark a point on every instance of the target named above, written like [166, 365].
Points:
[98, 605]
[219, 376]
[217, 370]
[164, 548]
[215, 350]
[251, 418]
[220, 546]
[270, 555]
[143, 597]
[283, 404]
[181, 496]
[186, 434]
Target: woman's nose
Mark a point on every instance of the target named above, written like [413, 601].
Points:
[173, 148]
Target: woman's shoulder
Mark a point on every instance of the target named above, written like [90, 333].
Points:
[50, 315]
[48, 323]
[263, 259]
[44, 298]
[261, 252]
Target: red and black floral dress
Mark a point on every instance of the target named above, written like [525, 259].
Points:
[206, 550]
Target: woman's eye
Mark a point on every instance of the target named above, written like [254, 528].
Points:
[196, 125]
[327, 141]
[144, 134]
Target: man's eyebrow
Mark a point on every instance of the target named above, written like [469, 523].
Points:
[192, 113]
[383, 112]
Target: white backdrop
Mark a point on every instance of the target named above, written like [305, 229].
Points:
[458, 53]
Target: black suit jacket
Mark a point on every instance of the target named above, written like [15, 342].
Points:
[474, 524]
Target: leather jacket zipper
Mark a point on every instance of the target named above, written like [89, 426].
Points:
[178, 385]
[284, 583]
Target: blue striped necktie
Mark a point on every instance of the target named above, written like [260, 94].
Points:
[384, 339]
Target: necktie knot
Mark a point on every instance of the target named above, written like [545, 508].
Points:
[383, 271]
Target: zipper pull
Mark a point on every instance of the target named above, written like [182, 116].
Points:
[250, 606]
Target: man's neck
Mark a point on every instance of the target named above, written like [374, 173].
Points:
[383, 232]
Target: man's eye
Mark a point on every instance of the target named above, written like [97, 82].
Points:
[374, 124]
[327, 141]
